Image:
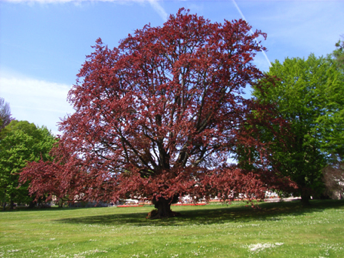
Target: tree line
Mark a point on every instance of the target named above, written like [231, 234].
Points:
[163, 115]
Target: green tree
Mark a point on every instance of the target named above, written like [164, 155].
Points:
[309, 95]
[20, 142]
[338, 54]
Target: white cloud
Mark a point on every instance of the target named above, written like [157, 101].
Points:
[154, 3]
[37, 101]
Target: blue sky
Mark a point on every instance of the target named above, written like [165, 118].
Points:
[43, 43]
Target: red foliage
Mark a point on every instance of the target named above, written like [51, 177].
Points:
[159, 116]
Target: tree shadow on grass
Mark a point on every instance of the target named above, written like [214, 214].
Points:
[207, 216]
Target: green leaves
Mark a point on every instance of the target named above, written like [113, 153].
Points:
[308, 93]
[21, 142]
[338, 55]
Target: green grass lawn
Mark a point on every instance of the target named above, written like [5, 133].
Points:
[274, 230]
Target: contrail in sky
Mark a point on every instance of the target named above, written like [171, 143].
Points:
[157, 7]
[242, 15]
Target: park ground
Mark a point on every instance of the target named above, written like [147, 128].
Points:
[282, 229]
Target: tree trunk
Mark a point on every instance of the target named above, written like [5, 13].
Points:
[4, 202]
[305, 196]
[164, 208]
[11, 205]
[32, 204]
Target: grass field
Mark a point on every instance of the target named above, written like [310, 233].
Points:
[274, 230]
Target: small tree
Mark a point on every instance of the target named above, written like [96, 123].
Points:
[5, 114]
[160, 116]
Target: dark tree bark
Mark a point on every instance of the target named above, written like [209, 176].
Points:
[164, 207]
[32, 204]
[305, 196]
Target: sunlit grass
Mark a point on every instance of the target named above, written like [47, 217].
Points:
[274, 230]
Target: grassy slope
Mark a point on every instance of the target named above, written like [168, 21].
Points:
[275, 230]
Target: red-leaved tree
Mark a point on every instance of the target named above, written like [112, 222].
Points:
[161, 116]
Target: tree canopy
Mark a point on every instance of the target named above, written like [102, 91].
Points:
[309, 95]
[159, 116]
[21, 142]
